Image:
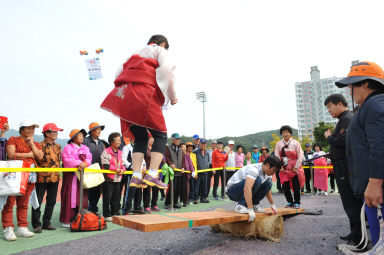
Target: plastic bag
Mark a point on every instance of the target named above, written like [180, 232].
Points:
[13, 183]
[91, 179]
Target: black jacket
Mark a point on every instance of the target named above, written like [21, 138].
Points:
[95, 150]
[338, 137]
[365, 144]
[306, 154]
[174, 155]
[202, 160]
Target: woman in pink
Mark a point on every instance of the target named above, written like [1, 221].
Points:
[239, 157]
[112, 159]
[187, 166]
[320, 179]
[291, 174]
[75, 155]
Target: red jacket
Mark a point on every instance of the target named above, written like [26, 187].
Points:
[262, 158]
[219, 158]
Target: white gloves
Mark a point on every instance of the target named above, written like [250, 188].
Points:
[251, 214]
[274, 209]
[242, 209]
[193, 174]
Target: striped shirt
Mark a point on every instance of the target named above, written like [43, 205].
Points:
[250, 171]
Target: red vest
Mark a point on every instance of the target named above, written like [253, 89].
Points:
[136, 98]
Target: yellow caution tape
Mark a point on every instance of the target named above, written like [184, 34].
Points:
[327, 167]
[179, 170]
[233, 168]
[58, 170]
[38, 169]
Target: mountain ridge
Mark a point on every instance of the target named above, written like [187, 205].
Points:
[247, 141]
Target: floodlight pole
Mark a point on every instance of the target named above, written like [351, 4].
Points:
[202, 97]
[204, 119]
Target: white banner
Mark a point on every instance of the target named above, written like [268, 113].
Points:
[94, 68]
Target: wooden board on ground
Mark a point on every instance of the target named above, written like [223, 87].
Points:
[166, 221]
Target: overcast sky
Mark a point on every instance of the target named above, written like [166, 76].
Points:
[246, 55]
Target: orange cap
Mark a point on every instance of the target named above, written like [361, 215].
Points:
[362, 71]
[95, 125]
[75, 132]
[367, 69]
[189, 144]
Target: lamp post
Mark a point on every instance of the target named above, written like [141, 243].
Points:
[202, 97]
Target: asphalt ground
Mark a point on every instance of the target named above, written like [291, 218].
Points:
[303, 234]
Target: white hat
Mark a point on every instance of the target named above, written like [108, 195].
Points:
[28, 123]
[231, 142]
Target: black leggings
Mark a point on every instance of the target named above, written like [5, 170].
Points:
[141, 139]
[296, 190]
[147, 196]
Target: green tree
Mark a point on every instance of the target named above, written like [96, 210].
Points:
[318, 134]
[305, 140]
[275, 139]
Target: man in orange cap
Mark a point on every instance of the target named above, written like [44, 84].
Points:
[96, 147]
[365, 139]
[47, 181]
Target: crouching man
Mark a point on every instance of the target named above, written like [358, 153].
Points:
[250, 184]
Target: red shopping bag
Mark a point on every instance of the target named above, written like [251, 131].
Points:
[3, 120]
[24, 178]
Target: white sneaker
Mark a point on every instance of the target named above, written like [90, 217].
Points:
[108, 219]
[258, 209]
[24, 232]
[9, 235]
[325, 193]
[241, 209]
[65, 225]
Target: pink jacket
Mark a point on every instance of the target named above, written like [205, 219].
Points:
[71, 159]
[293, 145]
[114, 163]
[239, 159]
[188, 165]
[71, 154]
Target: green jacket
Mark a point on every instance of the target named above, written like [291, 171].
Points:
[252, 161]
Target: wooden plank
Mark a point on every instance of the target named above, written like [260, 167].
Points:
[159, 222]
[150, 222]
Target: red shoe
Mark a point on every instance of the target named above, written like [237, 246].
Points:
[155, 208]
[147, 210]
[151, 181]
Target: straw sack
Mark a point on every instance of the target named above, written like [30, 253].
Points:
[267, 227]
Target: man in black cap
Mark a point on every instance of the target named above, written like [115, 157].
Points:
[174, 158]
[338, 108]
[202, 160]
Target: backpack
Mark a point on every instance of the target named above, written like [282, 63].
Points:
[88, 221]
